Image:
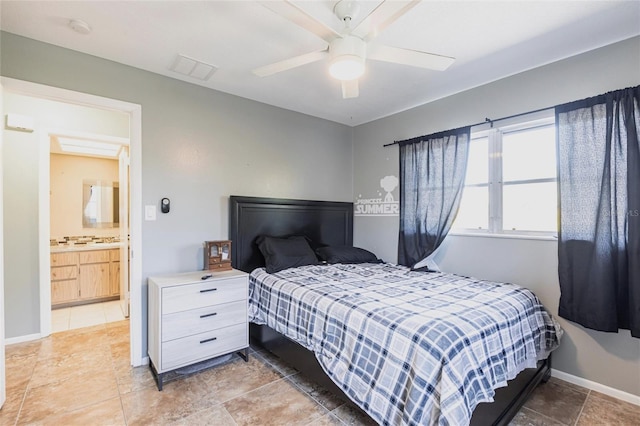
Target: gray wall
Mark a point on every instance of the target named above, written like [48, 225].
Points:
[198, 147]
[609, 359]
[22, 289]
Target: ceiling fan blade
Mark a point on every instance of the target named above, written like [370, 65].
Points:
[298, 16]
[350, 89]
[381, 17]
[414, 58]
[290, 63]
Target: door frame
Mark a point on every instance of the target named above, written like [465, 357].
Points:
[135, 184]
[3, 388]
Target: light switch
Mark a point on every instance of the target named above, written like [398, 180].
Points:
[150, 212]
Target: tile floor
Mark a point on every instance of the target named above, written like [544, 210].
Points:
[85, 315]
[83, 377]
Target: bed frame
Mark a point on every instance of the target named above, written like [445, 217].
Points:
[331, 223]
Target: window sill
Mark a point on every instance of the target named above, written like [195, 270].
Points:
[505, 236]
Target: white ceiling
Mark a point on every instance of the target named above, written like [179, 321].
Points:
[489, 39]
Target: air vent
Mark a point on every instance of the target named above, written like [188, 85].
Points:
[193, 68]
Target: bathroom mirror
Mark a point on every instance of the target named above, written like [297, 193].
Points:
[100, 204]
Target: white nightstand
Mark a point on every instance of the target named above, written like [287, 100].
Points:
[192, 319]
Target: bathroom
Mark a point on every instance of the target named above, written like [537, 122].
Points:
[86, 241]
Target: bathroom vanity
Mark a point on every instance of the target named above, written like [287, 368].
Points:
[84, 273]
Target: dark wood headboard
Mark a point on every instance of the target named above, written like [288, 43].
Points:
[323, 222]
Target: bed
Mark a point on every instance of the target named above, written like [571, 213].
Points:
[437, 383]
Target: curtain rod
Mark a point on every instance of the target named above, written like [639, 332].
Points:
[488, 120]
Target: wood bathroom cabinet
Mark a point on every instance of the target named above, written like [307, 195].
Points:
[82, 276]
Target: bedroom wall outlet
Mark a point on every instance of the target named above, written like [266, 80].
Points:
[149, 212]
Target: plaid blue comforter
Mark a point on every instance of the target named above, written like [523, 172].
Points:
[407, 347]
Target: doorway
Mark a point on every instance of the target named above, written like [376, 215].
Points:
[135, 228]
[89, 242]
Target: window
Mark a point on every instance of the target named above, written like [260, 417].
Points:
[510, 186]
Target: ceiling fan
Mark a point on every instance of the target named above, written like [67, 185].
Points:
[348, 49]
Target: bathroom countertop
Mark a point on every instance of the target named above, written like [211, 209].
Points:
[84, 247]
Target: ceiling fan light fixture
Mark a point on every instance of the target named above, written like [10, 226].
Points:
[347, 58]
[347, 67]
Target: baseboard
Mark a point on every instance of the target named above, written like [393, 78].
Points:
[20, 339]
[616, 393]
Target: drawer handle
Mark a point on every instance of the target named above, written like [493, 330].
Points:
[208, 290]
[208, 340]
[208, 315]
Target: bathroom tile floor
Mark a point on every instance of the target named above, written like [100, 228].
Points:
[85, 315]
[83, 377]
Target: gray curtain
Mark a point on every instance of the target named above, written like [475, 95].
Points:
[432, 172]
[599, 201]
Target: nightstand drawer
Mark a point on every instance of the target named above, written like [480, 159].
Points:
[188, 350]
[194, 321]
[207, 293]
